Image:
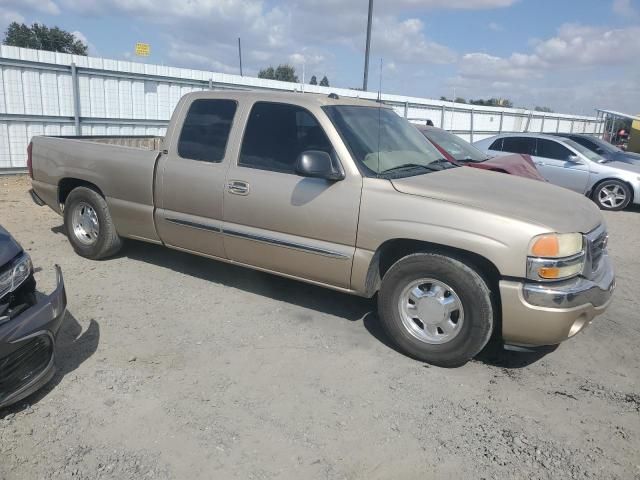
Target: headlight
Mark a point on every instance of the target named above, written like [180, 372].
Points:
[17, 272]
[556, 256]
[556, 245]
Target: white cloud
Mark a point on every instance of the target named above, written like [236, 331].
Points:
[574, 46]
[7, 17]
[456, 4]
[565, 71]
[93, 51]
[495, 27]
[586, 45]
[405, 42]
[41, 6]
[624, 8]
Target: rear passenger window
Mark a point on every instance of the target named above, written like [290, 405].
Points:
[497, 145]
[206, 130]
[523, 145]
[551, 149]
[277, 133]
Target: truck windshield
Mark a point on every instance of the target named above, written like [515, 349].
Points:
[383, 143]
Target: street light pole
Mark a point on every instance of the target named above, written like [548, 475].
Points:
[240, 55]
[366, 53]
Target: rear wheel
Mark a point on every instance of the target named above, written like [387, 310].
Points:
[436, 309]
[89, 226]
[612, 195]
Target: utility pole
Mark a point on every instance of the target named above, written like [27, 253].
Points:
[366, 53]
[240, 55]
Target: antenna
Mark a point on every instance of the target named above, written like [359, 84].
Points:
[380, 82]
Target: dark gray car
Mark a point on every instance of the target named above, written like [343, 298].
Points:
[29, 323]
[609, 152]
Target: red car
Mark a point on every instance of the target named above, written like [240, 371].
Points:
[460, 152]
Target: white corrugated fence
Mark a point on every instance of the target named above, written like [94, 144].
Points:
[49, 93]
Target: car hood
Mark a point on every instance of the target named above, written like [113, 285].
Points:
[9, 248]
[624, 165]
[556, 208]
[627, 157]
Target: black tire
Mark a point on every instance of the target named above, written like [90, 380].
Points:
[611, 186]
[472, 291]
[107, 242]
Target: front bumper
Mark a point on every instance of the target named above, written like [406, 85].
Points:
[548, 313]
[27, 346]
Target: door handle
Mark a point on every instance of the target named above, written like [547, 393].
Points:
[238, 187]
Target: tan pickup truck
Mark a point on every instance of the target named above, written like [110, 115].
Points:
[345, 194]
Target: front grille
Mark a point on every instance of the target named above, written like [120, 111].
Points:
[597, 248]
[23, 365]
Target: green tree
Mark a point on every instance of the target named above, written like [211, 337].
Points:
[284, 73]
[324, 82]
[268, 73]
[41, 37]
[314, 80]
[493, 102]
[460, 100]
[543, 109]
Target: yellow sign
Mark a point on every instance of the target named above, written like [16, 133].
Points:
[143, 49]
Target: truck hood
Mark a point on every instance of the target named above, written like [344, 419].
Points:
[556, 208]
[9, 248]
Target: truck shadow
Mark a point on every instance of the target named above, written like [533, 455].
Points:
[265, 284]
[73, 348]
[316, 298]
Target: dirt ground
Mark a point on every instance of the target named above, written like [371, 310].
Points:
[175, 366]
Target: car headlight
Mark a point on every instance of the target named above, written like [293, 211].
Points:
[17, 272]
[556, 256]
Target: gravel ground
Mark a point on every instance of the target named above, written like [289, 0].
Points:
[174, 366]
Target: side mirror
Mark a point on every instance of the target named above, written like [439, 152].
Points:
[575, 159]
[317, 164]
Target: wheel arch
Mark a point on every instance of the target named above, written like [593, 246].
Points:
[621, 180]
[68, 184]
[390, 251]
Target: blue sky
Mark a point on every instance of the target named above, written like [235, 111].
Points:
[570, 55]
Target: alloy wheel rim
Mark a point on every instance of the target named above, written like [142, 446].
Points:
[612, 195]
[431, 311]
[86, 226]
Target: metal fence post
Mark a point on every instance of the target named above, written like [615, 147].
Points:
[557, 124]
[211, 84]
[571, 130]
[76, 97]
[526, 128]
[471, 132]
[542, 124]
[406, 109]
[442, 117]
[501, 120]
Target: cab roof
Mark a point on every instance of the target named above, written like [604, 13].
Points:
[304, 99]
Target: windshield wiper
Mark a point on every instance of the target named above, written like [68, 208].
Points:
[410, 166]
[444, 163]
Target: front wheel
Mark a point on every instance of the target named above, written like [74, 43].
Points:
[436, 309]
[612, 195]
[89, 226]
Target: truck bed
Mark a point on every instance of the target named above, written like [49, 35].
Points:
[121, 167]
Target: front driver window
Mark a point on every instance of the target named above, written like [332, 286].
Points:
[551, 149]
